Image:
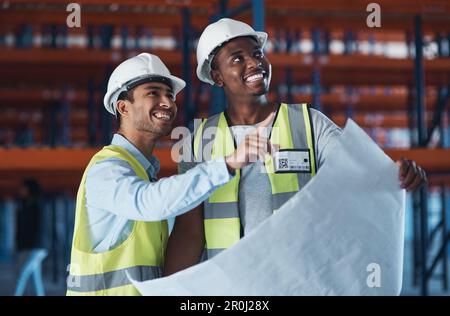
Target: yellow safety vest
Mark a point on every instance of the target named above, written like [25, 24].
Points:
[141, 255]
[292, 129]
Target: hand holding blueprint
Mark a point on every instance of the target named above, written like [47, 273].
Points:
[342, 234]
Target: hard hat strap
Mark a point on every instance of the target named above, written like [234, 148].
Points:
[141, 80]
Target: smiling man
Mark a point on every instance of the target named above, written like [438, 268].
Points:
[230, 55]
[121, 211]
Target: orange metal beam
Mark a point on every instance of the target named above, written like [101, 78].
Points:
[435, 7]
[333, 62]
[162, 3]
[55, 159]
[61, 168]
[363, 103]
[43, 96]
[432, 160]
[358, 69]
[78, 121]
[376, 120]
[200, 21]
[83, 57]
[167, 20]
[68, 159]
[357, 61]
[293, 14]
[336, 102]
[335, 69]
[306, 21]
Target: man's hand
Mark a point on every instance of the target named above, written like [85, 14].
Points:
[254, 147]
[411, 175]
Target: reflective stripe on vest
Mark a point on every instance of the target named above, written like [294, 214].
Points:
[292, 129]
[141, 254]
[108, 280]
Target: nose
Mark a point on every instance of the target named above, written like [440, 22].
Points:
[253, 62]
[166, 102]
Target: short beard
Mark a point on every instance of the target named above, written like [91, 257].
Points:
[148, 128]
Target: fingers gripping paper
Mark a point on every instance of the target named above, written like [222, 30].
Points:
[341, 235]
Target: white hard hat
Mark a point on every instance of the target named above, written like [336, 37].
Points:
[214, 36]
[137, 70]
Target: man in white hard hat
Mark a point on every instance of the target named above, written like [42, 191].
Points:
[230, 55]
[121, 211]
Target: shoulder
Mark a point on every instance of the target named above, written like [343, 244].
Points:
[316, 114]
[215, 116]
[108, 168]
[203, 124]
[321, 121]
[318, 119]
[213, 119]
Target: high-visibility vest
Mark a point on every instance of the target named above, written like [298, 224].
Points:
[292, 129]
[141, 255]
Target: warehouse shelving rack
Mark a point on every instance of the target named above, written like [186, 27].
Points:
[66, 84]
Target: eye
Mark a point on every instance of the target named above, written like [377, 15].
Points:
[153, 93]
[259, 54]
[237, 59]
[171, 96]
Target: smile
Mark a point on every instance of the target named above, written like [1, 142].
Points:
[163, 116]
[254, 77]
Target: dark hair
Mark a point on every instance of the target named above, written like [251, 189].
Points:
[125, 96]
[212, 57]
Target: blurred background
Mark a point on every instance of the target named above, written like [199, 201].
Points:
[393, 80]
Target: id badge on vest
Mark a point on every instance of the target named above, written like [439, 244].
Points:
[292, 161]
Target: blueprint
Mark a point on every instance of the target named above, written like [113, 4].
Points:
[342, 234]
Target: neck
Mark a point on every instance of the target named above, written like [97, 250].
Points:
[248, 112]
[144, 142]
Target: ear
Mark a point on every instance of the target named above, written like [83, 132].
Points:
[122, 107]
[217, 77]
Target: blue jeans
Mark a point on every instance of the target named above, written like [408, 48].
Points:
[31, 266]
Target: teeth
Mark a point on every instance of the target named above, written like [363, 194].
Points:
[254, 77]
[163, 116]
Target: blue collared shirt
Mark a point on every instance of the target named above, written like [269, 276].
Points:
[116, 196]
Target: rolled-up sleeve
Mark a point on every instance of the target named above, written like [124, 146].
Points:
[112, 185]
